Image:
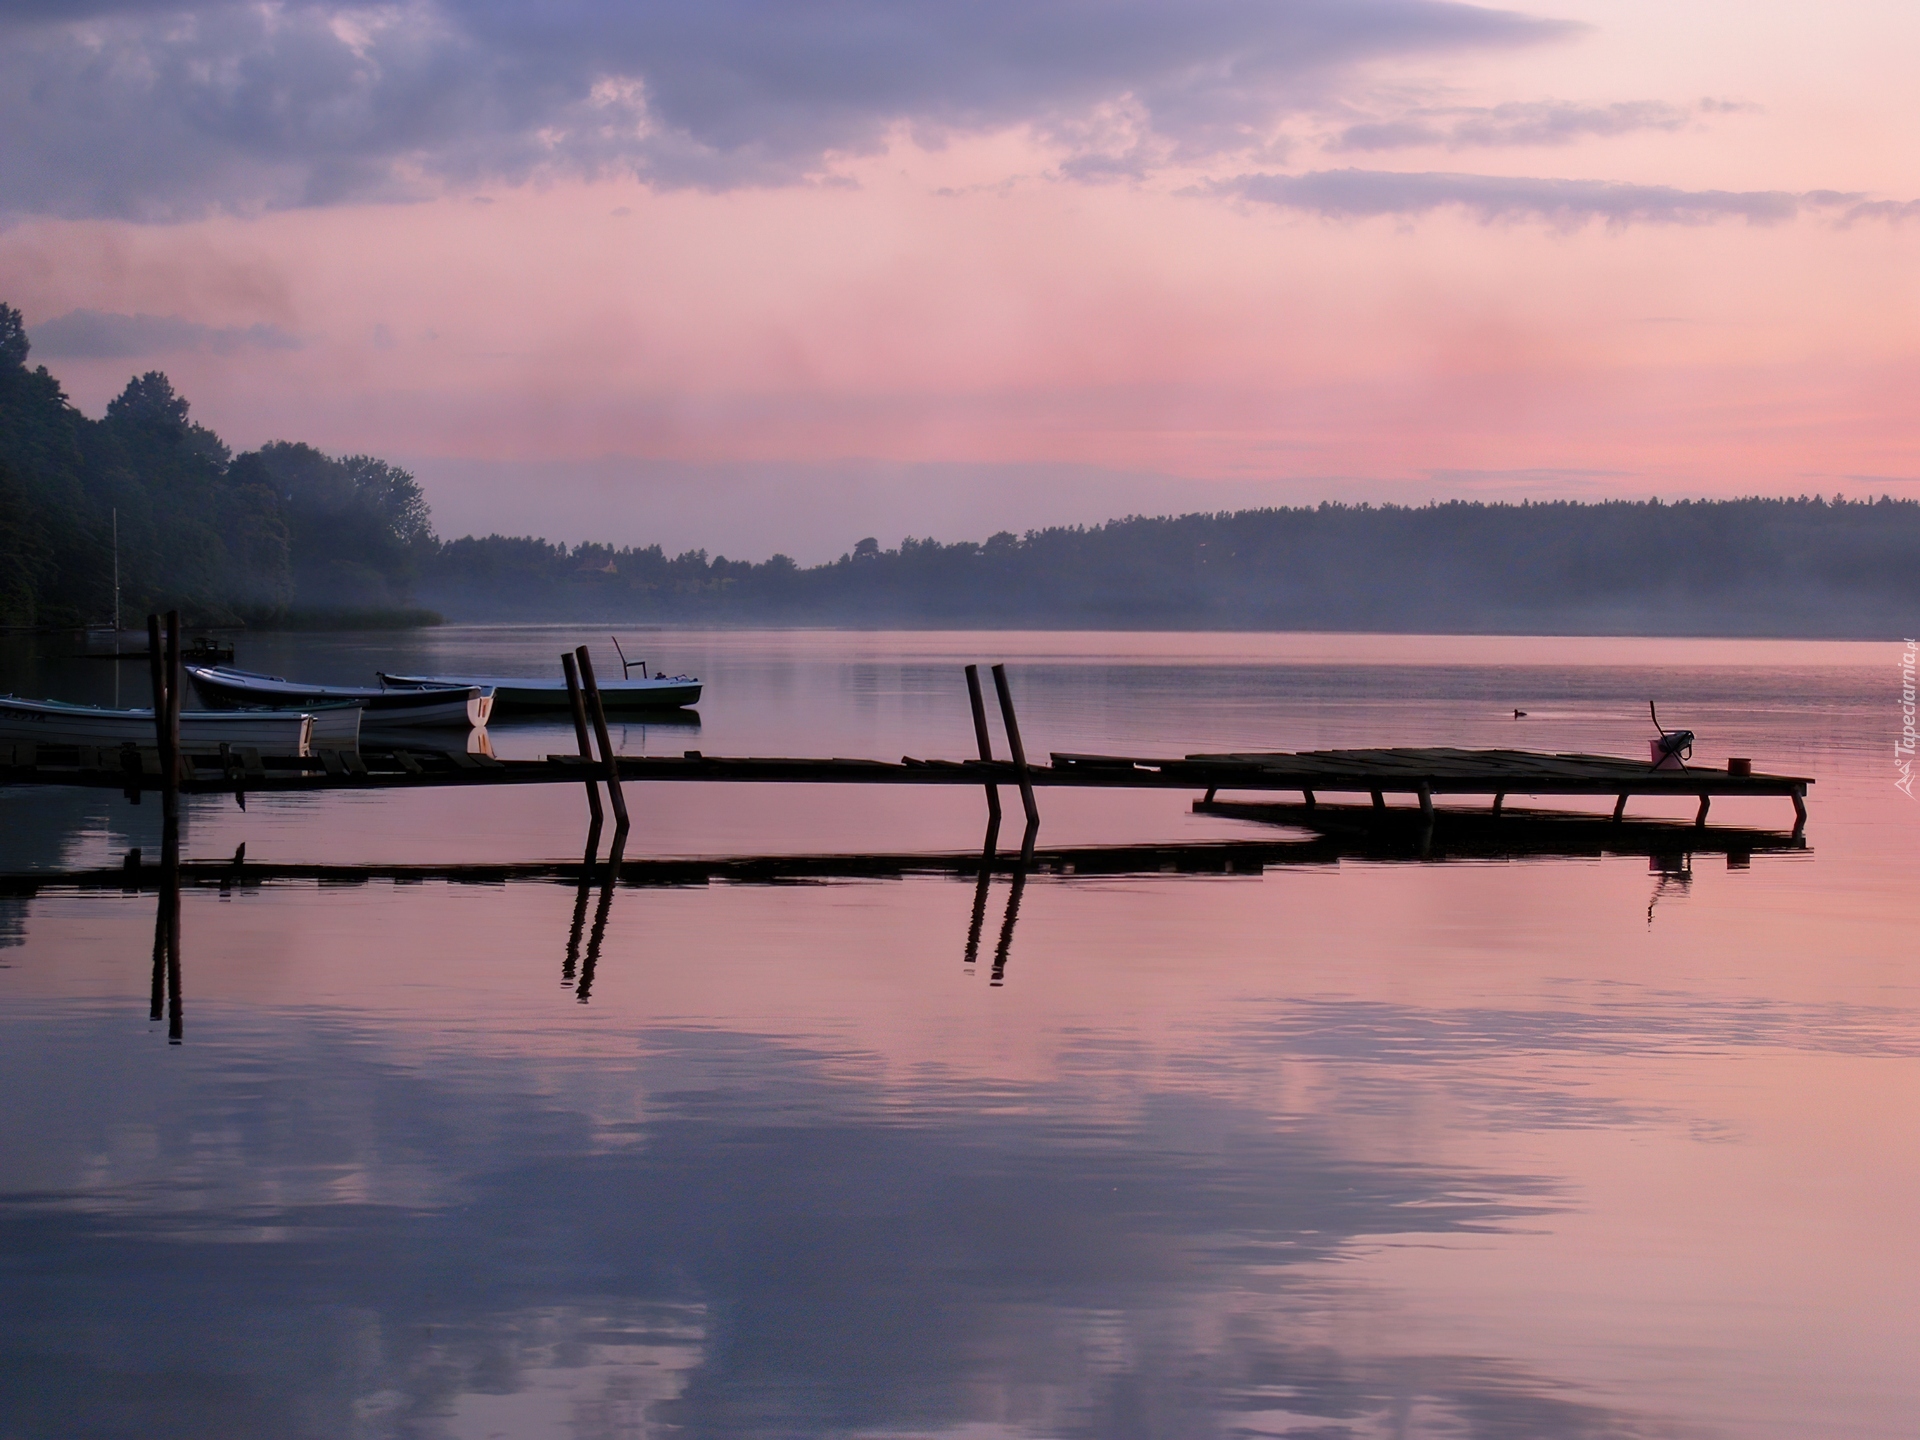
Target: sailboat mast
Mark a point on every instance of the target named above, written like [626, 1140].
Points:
[116, 578]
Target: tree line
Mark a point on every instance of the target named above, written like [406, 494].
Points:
[1804, 566]
[286, 534]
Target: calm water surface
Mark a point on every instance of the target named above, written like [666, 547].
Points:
[1544, 1147]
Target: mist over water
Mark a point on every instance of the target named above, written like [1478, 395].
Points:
[1554, 1146]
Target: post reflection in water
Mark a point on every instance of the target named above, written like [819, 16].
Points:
[569, 966]
[609, 878]
[1018, 887]
[165, 988]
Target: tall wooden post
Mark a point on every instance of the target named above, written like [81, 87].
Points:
[985, 742]
[1020, 770]
[599, 713]
[580, 739]
[173, 698]
[165, 733]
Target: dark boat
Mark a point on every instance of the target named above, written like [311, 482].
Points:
[530, 696]
[443, 705]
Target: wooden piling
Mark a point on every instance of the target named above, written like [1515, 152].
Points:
[163, 730]
[985, 742]
[599, 713]
[173, 697]
[1020, 770]
[579, 708]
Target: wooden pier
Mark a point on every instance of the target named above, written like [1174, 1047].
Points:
[1420, 775]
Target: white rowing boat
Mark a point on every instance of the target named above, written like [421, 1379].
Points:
[50, 722]
[445, 705]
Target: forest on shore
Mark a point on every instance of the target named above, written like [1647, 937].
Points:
[286, 535]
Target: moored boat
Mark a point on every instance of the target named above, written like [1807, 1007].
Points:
[51, 722]
[442, 705]
[528, 695]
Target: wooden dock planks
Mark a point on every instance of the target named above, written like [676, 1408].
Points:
[1421, 772]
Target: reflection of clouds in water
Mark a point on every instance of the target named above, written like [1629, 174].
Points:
[771, 1249]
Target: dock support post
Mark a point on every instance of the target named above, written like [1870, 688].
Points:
[1379, 800]
[1619, 809]
[163, 669]
[985, 742]
[1020, 771]
[1307, 798]
[579, 708]
[1700, 817]
[599, 712]
[1211, 792]
[173, 706]
[1499, 799]
[1426, 802]
[1799, 798]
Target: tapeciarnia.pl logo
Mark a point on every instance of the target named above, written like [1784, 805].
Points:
[1903, 747]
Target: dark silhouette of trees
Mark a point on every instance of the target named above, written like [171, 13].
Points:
[1806, 566]
[254, 537]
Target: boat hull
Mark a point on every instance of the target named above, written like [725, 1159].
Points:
[441, 707]
[272, 732]
[522, 696]
[337, 727]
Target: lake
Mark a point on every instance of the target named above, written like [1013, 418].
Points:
[1582, 1146]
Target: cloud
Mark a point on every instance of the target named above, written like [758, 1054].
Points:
[145, 110]
[1893, 211]
[102, 335]
[1357, 194]
[1530, 123]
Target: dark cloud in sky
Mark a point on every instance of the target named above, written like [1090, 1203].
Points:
[102, 335]
[1356, 194]
[1543, 122]
[137, 109]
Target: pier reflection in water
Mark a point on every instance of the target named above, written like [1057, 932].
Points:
[1519, 836]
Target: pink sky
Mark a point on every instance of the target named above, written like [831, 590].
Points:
[940, 328]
